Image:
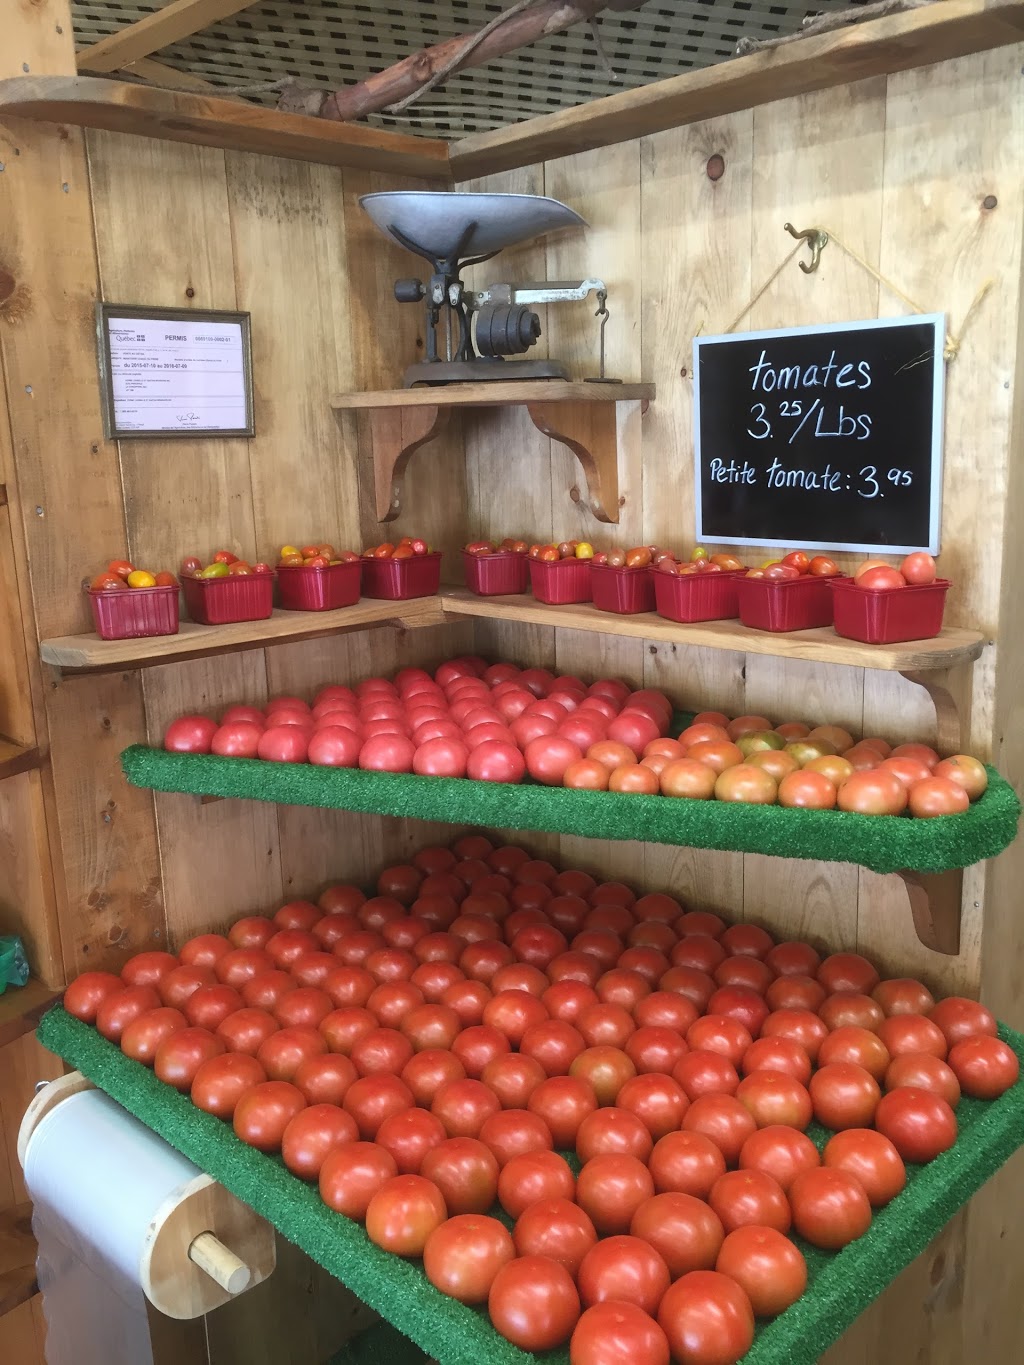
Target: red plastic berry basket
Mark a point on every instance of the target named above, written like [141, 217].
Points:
[622, 590]
[697, 596]
[219, 601]
[133, 613]
[319, 588]
[887, 617]
[400, 579]
[793, 604]
[496, 574]
[561, 581]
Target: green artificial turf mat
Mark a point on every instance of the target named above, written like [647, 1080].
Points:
[884, 843]
[840, 1285]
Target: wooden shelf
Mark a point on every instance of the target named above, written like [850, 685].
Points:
[596, 421]
[21, 1008]
[16, 758]
[18, 1281]
[946, 651]
[89, 654]
[205, 120]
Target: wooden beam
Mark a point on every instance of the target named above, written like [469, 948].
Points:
[149, 72]
[180, 19]
[901, 42]
[179, 116]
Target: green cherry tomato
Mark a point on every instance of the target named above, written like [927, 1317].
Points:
[214, 571]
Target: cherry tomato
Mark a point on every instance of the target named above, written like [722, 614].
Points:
[617, 1334]
[750, 1198]
[557, 1229]
[685, 1163]
[533, 1303]
[871, 1159]
[462, 1257]
[780, 1152]
[724, 1120]
[311, 1135]
[844, 1096]
[220, 1082]
[769, 1269]
[985, 1067]
[466, 1173]
[533, 1176]
[830, 1207]
[960, 1019]
[352, 1174]
[144, 1035]
[684, 1230]
[264, 1112]
[623, 1269]
[918, 1123]
[658, 1101]
[707, 1319]
[610, 1189]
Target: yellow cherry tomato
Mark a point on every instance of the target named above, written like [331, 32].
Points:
[584, 550]
[140, 578]
[769, 562]
[698, 553]
[288, 550]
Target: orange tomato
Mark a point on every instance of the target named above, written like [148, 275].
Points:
[687, 777]
[635, 777]
[328, 551]
[700, 731]
[966, 772]
[403, 552]
[384, 551]
[807, 791]
[823, 567]
[717, 754]
[747, 725]
[638, 558]
[870, 564]
[937, 796]
[793, 729]
[918, 568]
[776, 762]
[166, 580]
[549, 555]
[121, 567]
[873, 793]
[744, 783]
[586, 774]
[834, 767]
[839, 738]
[293, 561]
[727, 563]
[711, 718]
[924, 752]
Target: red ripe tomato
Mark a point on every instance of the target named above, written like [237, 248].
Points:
[924, 1072]
[464, 1106]
[613, 1132]
[427, 1027]
[568, 999]
[220, 1083]
[707, 1318]
[87, 992]
[663, 1009]
[985, 1067]
[123, 1006]
[190, 735]
[605, 1069]
[264, 1112]
[409, 1136]
[719, 1033]
[403, 1213]
[387, 753]
[872, 792]
[793, 959]
[177, 985]
[696, 986]
[344, 1027]
[241, 965]
[254, 931]
[903, 1034]
[554, 1044]
[724, 1120]
[478, 1045]
[513, 1078]
[617, 1334]
[747, 940]
[658, 1101]
[311, 1135]
[533, 1176]
[285, 948]
[511, 1132]
[937, 796]
[281, 1054]
[352, 1174]
[204, 950]
[741, 1003]
[655, 1049]
[463, 1256]
[848, 972]
[871, 1159]
[603, 944]
[844, 1096]
[512, 1013]
[349, 986]
[903, 995]
[485, 957]
[520, 976]
[685, 1163]
[749, 972]
[425, 1072]
[705, 1073]
[850, 1009]
[548, 756]
[144, 1035]
[801, 1026]
[857, 1045]
[180, 1055]
[284, 743]
[777, 1054]
[795, 993]
[773, 1098]
[372, 1099]
[699, 951]
[533, 1303]
[918, 1123]
[623, 1269]
[259, 992]
[606, 1025]
[381, 1050]
[563, 1102]
[324, 1080]
[393, 1002]
[610, 1189]
[246, 1030]
[496, 761]
[557, 1229]
[769, 1269]
[466, 1173]
[960, 1019]
[685, 1231]
[467, 999]
[750, 1199]
[830, 1207]
[780, 1152]
[306, 1007]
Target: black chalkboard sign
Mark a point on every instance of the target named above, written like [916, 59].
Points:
[821, 437]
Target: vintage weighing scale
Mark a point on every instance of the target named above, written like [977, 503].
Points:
[471, 334]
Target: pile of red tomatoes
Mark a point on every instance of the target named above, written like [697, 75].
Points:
[500, 723]
[428, 1052]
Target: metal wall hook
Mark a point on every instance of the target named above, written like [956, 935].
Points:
[817, 241]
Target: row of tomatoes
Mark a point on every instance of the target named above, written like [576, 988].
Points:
[499, 723]
[422, 1052]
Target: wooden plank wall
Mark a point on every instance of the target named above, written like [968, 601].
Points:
[922, 174]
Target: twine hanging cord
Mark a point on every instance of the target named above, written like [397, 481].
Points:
[953, 343]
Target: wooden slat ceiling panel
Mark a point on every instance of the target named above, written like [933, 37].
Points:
[334, 43]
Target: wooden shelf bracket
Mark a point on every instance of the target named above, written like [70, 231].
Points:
[603, 437]
[936, 904]
[395, 435]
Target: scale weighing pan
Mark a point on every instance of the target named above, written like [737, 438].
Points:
[436, 221]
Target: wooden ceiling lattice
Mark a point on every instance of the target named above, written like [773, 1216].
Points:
[333, 43]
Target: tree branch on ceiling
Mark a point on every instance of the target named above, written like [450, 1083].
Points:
[393, 89]
[826, 23]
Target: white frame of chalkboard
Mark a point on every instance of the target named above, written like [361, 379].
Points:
[938, 323]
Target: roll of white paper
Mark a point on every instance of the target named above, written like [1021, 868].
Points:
[97, 1178]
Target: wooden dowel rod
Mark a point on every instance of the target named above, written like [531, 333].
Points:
[219, 1262]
